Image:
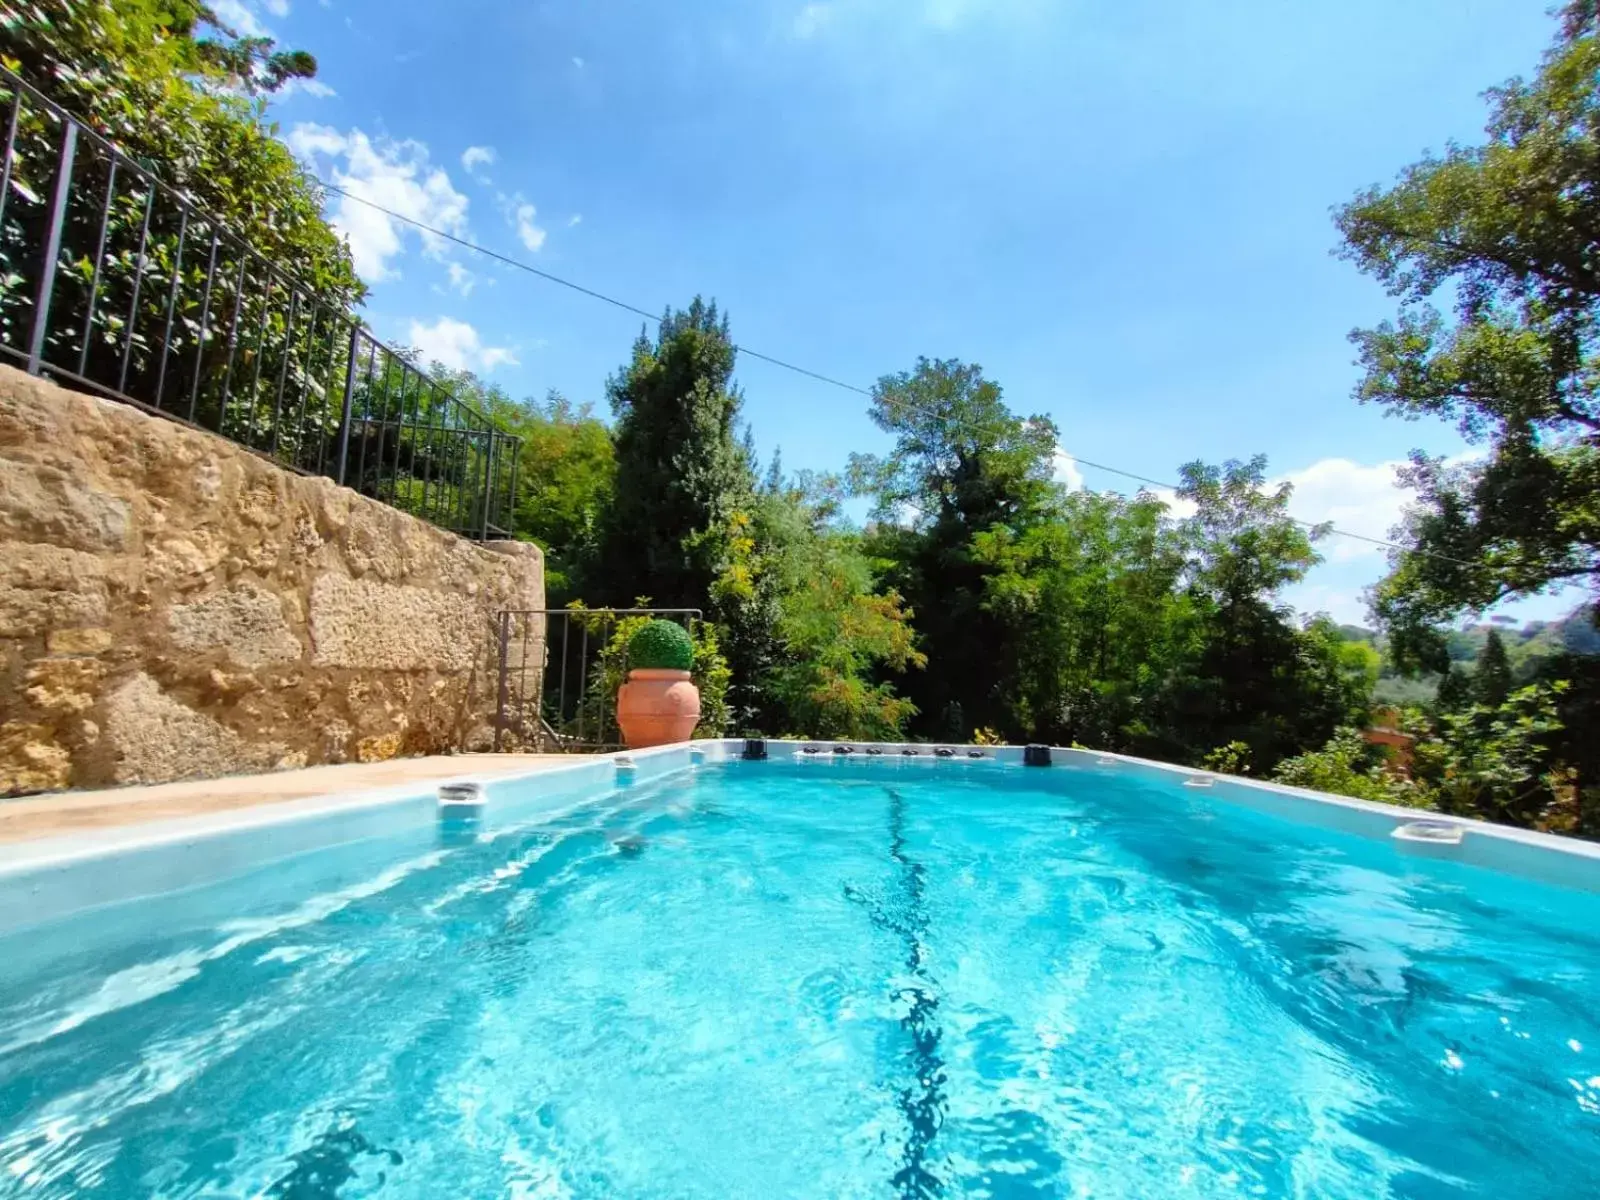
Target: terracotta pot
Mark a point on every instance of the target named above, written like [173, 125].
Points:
[657, 706]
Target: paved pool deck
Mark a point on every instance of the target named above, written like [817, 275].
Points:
[76, 812]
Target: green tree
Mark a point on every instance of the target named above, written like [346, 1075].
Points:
[681, 473]
[1491, 680]
[1091, 599]
[1575, 680]
[681, 527]
[962, 465]
[566, 471]
[1257, 677]
[1455, 689]
[1506, 231]
[186, 317]
[840, 635]
[1493, 761]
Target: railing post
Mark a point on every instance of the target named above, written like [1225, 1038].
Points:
[52, 245]
[488, 483]
[349, 399]
[511, 492]
[505, 680]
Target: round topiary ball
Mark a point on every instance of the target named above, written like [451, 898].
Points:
[663, 645]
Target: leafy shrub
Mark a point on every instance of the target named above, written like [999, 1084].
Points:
[1346, 766]
[712, 675]
[1232, 759]
[661, 644]
[1491, 760]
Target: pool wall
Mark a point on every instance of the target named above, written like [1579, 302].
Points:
[46, 879]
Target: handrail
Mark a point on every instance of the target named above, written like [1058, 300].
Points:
[122, 284]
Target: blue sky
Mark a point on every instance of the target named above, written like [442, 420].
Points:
[1121, 210]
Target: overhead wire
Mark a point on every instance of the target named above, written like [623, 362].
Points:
[784, 364]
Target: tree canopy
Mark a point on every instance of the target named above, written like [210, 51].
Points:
[178, 90]
[681, 471]
[1505, 234]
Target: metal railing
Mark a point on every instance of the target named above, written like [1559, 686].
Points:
[115, 282]
[559, 672]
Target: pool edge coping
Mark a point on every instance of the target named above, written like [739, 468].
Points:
[45, 867]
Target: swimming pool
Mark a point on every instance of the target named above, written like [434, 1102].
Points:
[820, 978]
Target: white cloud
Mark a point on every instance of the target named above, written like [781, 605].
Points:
[476, 157]
[240, 17]
[394, 174]
[532, 235]
[278, 8]
[1066, 471]
[458, 346]
[1178, 508]
[461, 279]
[1358, 499]
[1343, 600]
[812, 19]
[314, 88]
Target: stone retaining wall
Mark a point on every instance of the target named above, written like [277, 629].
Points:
[173, 606]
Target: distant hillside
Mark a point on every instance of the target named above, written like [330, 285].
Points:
[1526, 646]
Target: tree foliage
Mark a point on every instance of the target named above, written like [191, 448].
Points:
[1491, 251]
[1507, 232]
[1349, 766]
[1255, 676]
[1491, 761]
[1092, 600]
[565, 473]
[1094, 618]
[840, 636]
[177, 90]
[681, 472]
[962, 466]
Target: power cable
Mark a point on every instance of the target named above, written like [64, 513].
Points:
[806, 371]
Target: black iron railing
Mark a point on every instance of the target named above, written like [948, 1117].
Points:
[559, 673]
[112, 281]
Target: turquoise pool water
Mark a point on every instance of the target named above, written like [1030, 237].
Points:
[822, 979]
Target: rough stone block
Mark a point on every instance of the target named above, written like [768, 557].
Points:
[46, 587]
[388, 626]
[246, 622]
[186, 560]
[40, 503]
[153, 738]
[30, 761]
[79, 641]
[288, 619]
[379, 748]
[63, 685]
